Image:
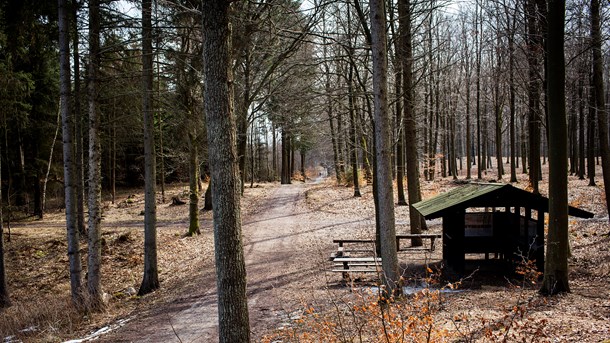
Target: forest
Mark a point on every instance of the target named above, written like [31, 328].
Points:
[133, 129]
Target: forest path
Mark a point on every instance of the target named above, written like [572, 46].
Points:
[282, 246]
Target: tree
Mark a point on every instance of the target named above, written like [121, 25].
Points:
[510, 22]
[94, 258]
[478, 42]
[150, 280]
[556, 261]
[352, 119]
[416, 221]
[600, 104]
[534, 44]
[30, 52]
[218, 107]
[67, 129]
[383, 149]
[188, 67]
[5, 300]
[259, 53]
[78, 124]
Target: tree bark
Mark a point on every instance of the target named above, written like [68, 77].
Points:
[352, 125]
[534, 44]
[49, 163]
[400, 134]
[383, 150]
[468, 72]
[193, 186]
[286, 148]
[556, 261]
[150, 280]
[416, 221]
[478, 21]
[69, 189]
[230, 265]
[207, 202]
[512, 95]
[78, 126]
[581, 126]
[600, 103]
[94, 257]
[591, 124]
[5, 300]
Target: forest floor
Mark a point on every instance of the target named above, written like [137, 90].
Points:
[288, 232]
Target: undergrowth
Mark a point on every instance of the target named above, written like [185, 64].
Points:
[362, 315]
[46, 320]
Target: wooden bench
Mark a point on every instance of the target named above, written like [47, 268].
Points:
[348, 265]
[343, 252]
[431, 236]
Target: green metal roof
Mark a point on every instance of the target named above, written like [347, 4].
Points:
[455, 196]
[479, 195]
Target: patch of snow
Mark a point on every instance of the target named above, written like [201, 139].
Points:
[30, 329]
[410, 290]
[96, 334]
[11, 339]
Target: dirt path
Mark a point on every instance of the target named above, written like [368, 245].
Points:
[283, 246]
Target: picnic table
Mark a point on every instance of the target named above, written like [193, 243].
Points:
[424, 236]
[345, 263]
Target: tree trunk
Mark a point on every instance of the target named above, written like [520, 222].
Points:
[285, 173]
[159, 114]
[230, 265]
[416, 221]
[352, 128]
[303, 175]
[600, 104]
[478, 52]
[113, 158]
[400, 134]
[94, 258]
[511, 86]
[49, 162]
[66, 120]
[78, 126]
[591, 124]
[572, 135]
[533, 54]
[5, 300]
[383, 150]
[556, 261]
[274, 150]
[150, 280]
[333, 138]
[193, 186]
[207, 202]
[523, 146]
[498, 108]
[581, 126]
[468, 72]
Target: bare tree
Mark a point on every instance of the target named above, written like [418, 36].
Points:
[417, 222]
[383, 149]
[150, 280]
[534, 49]
[218, 99]
[556, 261]
[67, 129]
[600, 104]
[78, 124]
[5, 299]
[94, 259]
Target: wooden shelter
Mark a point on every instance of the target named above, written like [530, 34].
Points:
[491, 218]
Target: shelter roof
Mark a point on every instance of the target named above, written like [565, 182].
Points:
[487, 195]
